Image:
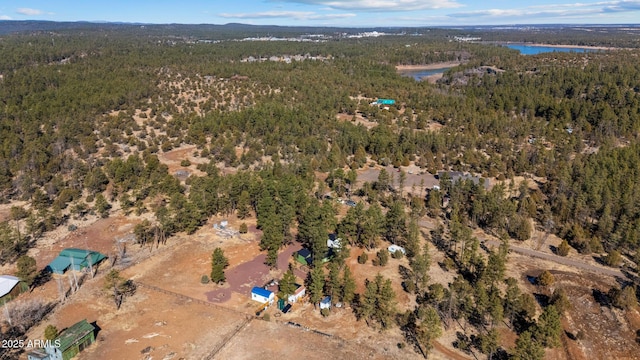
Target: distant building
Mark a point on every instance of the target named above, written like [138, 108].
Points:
[325, 303]
[262, 296]
[456, 176]
[385, 101]
[74, 259]
[393, 248]
[68, 344]
[334, 242]
[10, 287]
[298, 294]
[303, 256]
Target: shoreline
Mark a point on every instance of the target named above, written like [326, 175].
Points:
[432, 66]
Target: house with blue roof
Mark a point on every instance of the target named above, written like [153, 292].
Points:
[262, 296]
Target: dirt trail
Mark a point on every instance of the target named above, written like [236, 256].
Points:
[560, 260]
[448, 353]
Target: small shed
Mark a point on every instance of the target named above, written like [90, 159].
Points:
[334, 242]
[325, 303]
[10, 287]
[303, 256]
[68, 344]
[393, 248]
[262, 296]
[298, 294]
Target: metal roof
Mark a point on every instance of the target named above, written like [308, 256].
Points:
[81, 259]
[60, 264]
[261, 292]
[74, 334]
[7, 283]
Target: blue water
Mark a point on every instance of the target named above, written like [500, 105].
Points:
[537, 49]
[419, 74]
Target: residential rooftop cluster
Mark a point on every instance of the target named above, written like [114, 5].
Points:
[286, 58]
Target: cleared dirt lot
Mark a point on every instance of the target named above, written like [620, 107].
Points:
[415, 177]
[264, 339]
[150, 322]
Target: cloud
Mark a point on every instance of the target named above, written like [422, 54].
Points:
[29, 12]
[297, 15]
[5, 17]
[380, 5]
[558, 11]
[622, 6]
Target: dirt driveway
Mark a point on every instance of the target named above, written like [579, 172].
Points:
[244, 277]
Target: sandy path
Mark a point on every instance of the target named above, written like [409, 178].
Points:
[431, 66]
[561, 260]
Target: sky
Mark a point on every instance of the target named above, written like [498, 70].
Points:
[347, 13]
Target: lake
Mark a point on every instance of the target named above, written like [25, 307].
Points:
[419, 74]
[537, 49]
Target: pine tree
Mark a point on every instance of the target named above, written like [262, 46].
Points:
[315, 284]
[334, 283]
[218, 263]
[101, 206]
[527, 348]
[348, 286]
[377, 302]
[27, 269]
[374, 226]
[420, 265]
[490, 343]
[287, 285]
[243, 207]
[352, 225]
[548, 329]
[429, 328]
[312, 231]
[395, 223]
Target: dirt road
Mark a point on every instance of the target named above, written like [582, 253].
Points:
[560, 260]
[430, 225]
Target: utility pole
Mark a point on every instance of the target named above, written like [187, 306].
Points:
[6, 312]
[75, 279]
[90, 260]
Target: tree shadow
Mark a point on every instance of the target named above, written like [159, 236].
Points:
[600, 260]
[554, 249]
[500, 354]
[601, 297]
[462, 342]
[42, 278]
[542, 299]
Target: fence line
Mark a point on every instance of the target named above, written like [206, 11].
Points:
[227, 339]
[189, 298]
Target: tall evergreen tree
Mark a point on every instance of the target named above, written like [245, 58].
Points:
[312, 231]
[218, 263]
[315, 284]
[287, 285]
[348, 286]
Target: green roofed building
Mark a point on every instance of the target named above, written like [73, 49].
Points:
[68, 344]
[75, 259]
